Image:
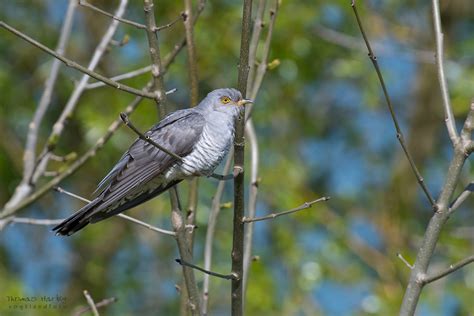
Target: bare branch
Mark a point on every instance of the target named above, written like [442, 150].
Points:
[177, 217]
[219, 275]
[91, 303]
[304, 206]
[448, 111]
[110, 15]
[35, 221]
[239, 143]
[128, 75]
[400, 136]
[466, 133]
[194, 93]
[129, 22]
[347, 41]
[400, 256]
[454, 267]
[72, 64]
[178, 222]
[102, 303]
[462, 197]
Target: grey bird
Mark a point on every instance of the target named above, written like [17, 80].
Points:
[201, 135]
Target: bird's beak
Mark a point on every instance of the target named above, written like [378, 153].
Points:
[244, 102]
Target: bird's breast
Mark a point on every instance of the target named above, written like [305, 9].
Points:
[209, 151]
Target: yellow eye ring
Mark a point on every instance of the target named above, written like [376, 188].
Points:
[225, 100]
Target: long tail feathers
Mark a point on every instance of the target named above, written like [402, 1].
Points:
[76, 221]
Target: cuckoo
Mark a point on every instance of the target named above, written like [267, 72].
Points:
[201, 136]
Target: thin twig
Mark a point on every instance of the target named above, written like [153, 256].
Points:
[127, 75]
[400, 136]
[400, 256]
[35, 221]
[462, 197]
[91, 303]
[436, 276]
[110, 15]
[304, 206]
[73, 64]
[147, 138]
[126, 120]
[100, 304]
[126, 217]
[126, 21]
[219, 275]
[167, 61]
[448, 110]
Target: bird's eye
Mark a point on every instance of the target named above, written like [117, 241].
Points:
[225, 100]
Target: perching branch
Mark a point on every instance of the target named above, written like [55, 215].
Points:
[218, 275]
[147, 138]
[304, 206]
[400, 136]
[177, 217]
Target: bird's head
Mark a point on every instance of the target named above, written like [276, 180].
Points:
[225, 100]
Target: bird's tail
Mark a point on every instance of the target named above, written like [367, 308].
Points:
[76, 221]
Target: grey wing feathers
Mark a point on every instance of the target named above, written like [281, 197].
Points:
[178, 132]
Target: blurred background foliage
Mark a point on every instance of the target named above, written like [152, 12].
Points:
[323, 129]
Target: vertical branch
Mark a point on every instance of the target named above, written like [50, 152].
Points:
[257, 29]
[178, 222]
[256, 82]
[177, 217]
[194, 88]
[29, 155]
[448, 111]
[239, 143]
[252, 205]
[211, 227]
[154, 50]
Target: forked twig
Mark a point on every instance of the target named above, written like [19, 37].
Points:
[219, 275]
[304, 206]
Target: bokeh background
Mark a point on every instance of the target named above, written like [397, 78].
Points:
[323, 129]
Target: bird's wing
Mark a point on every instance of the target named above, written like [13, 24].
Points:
[178, 132]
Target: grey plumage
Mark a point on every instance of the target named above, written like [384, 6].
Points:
[201, 135]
